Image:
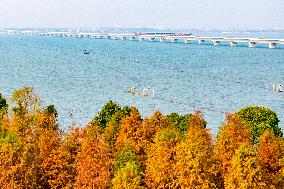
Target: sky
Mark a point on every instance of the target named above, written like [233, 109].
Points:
[213, 14]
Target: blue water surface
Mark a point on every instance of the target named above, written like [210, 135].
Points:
[184, 77]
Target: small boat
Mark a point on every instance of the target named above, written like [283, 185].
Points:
[86, 52]
[145, 91]
[277, 87]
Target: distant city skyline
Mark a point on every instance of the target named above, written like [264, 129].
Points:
[162, 14]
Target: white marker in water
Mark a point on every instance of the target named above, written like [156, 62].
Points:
[153, 93]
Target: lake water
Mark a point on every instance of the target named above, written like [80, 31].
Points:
[185, 77]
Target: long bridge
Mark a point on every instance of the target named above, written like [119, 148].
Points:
[233, 42]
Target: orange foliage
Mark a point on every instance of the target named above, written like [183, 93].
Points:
[69, 149]
[160, 165]
[130, 132]
[245, 171]
[152, 125]
[53, 169]
[231, 135]
[12, 169]
[196, 166]
[270, 153]
[112, 130]
[37, 160]
[92, 164]
[139, 133]
[157, 152]
[18, 154]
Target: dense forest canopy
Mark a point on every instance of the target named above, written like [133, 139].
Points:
[120, 149]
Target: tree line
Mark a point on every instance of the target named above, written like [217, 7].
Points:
[120, 149]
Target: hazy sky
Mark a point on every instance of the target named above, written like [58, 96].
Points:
[143, 13]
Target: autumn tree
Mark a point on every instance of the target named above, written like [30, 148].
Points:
[70, 147]
[92, 164]
[51, 110]
[22, 125]
[270, 153]
[232, 134]
[3, 102]
[160, 164]
[196, 166]
[140, 133]
[127, 170]
[181, 122]
[3, 112]
[24, 107]
[11, 168]
[52, 166]
[3, 107]
[260, 119]
[128, 177]
[106, 113]
[130, 132]
[25, 101]
[111, 131]
[37, 162]
[280, 178]
[152, 125]
[245, 171]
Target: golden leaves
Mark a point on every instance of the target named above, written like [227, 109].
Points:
[122, 150]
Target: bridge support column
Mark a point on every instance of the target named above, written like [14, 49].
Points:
[216, 43]
[141, 39]
[233, 43]
[200, 41]
[186, 41]
[151, 39]
[251, 44]
[162, 39]
[131, 38]
[174, 40]
[272, 45]
[123, 38]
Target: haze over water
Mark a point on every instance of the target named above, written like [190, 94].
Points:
[185, 77]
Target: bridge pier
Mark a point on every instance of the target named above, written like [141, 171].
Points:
[216, 43]
[251, 44]
[272, 45]
[186, 40]
[200, 41]
[233, 43]
[162, 39]
[174, 40]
